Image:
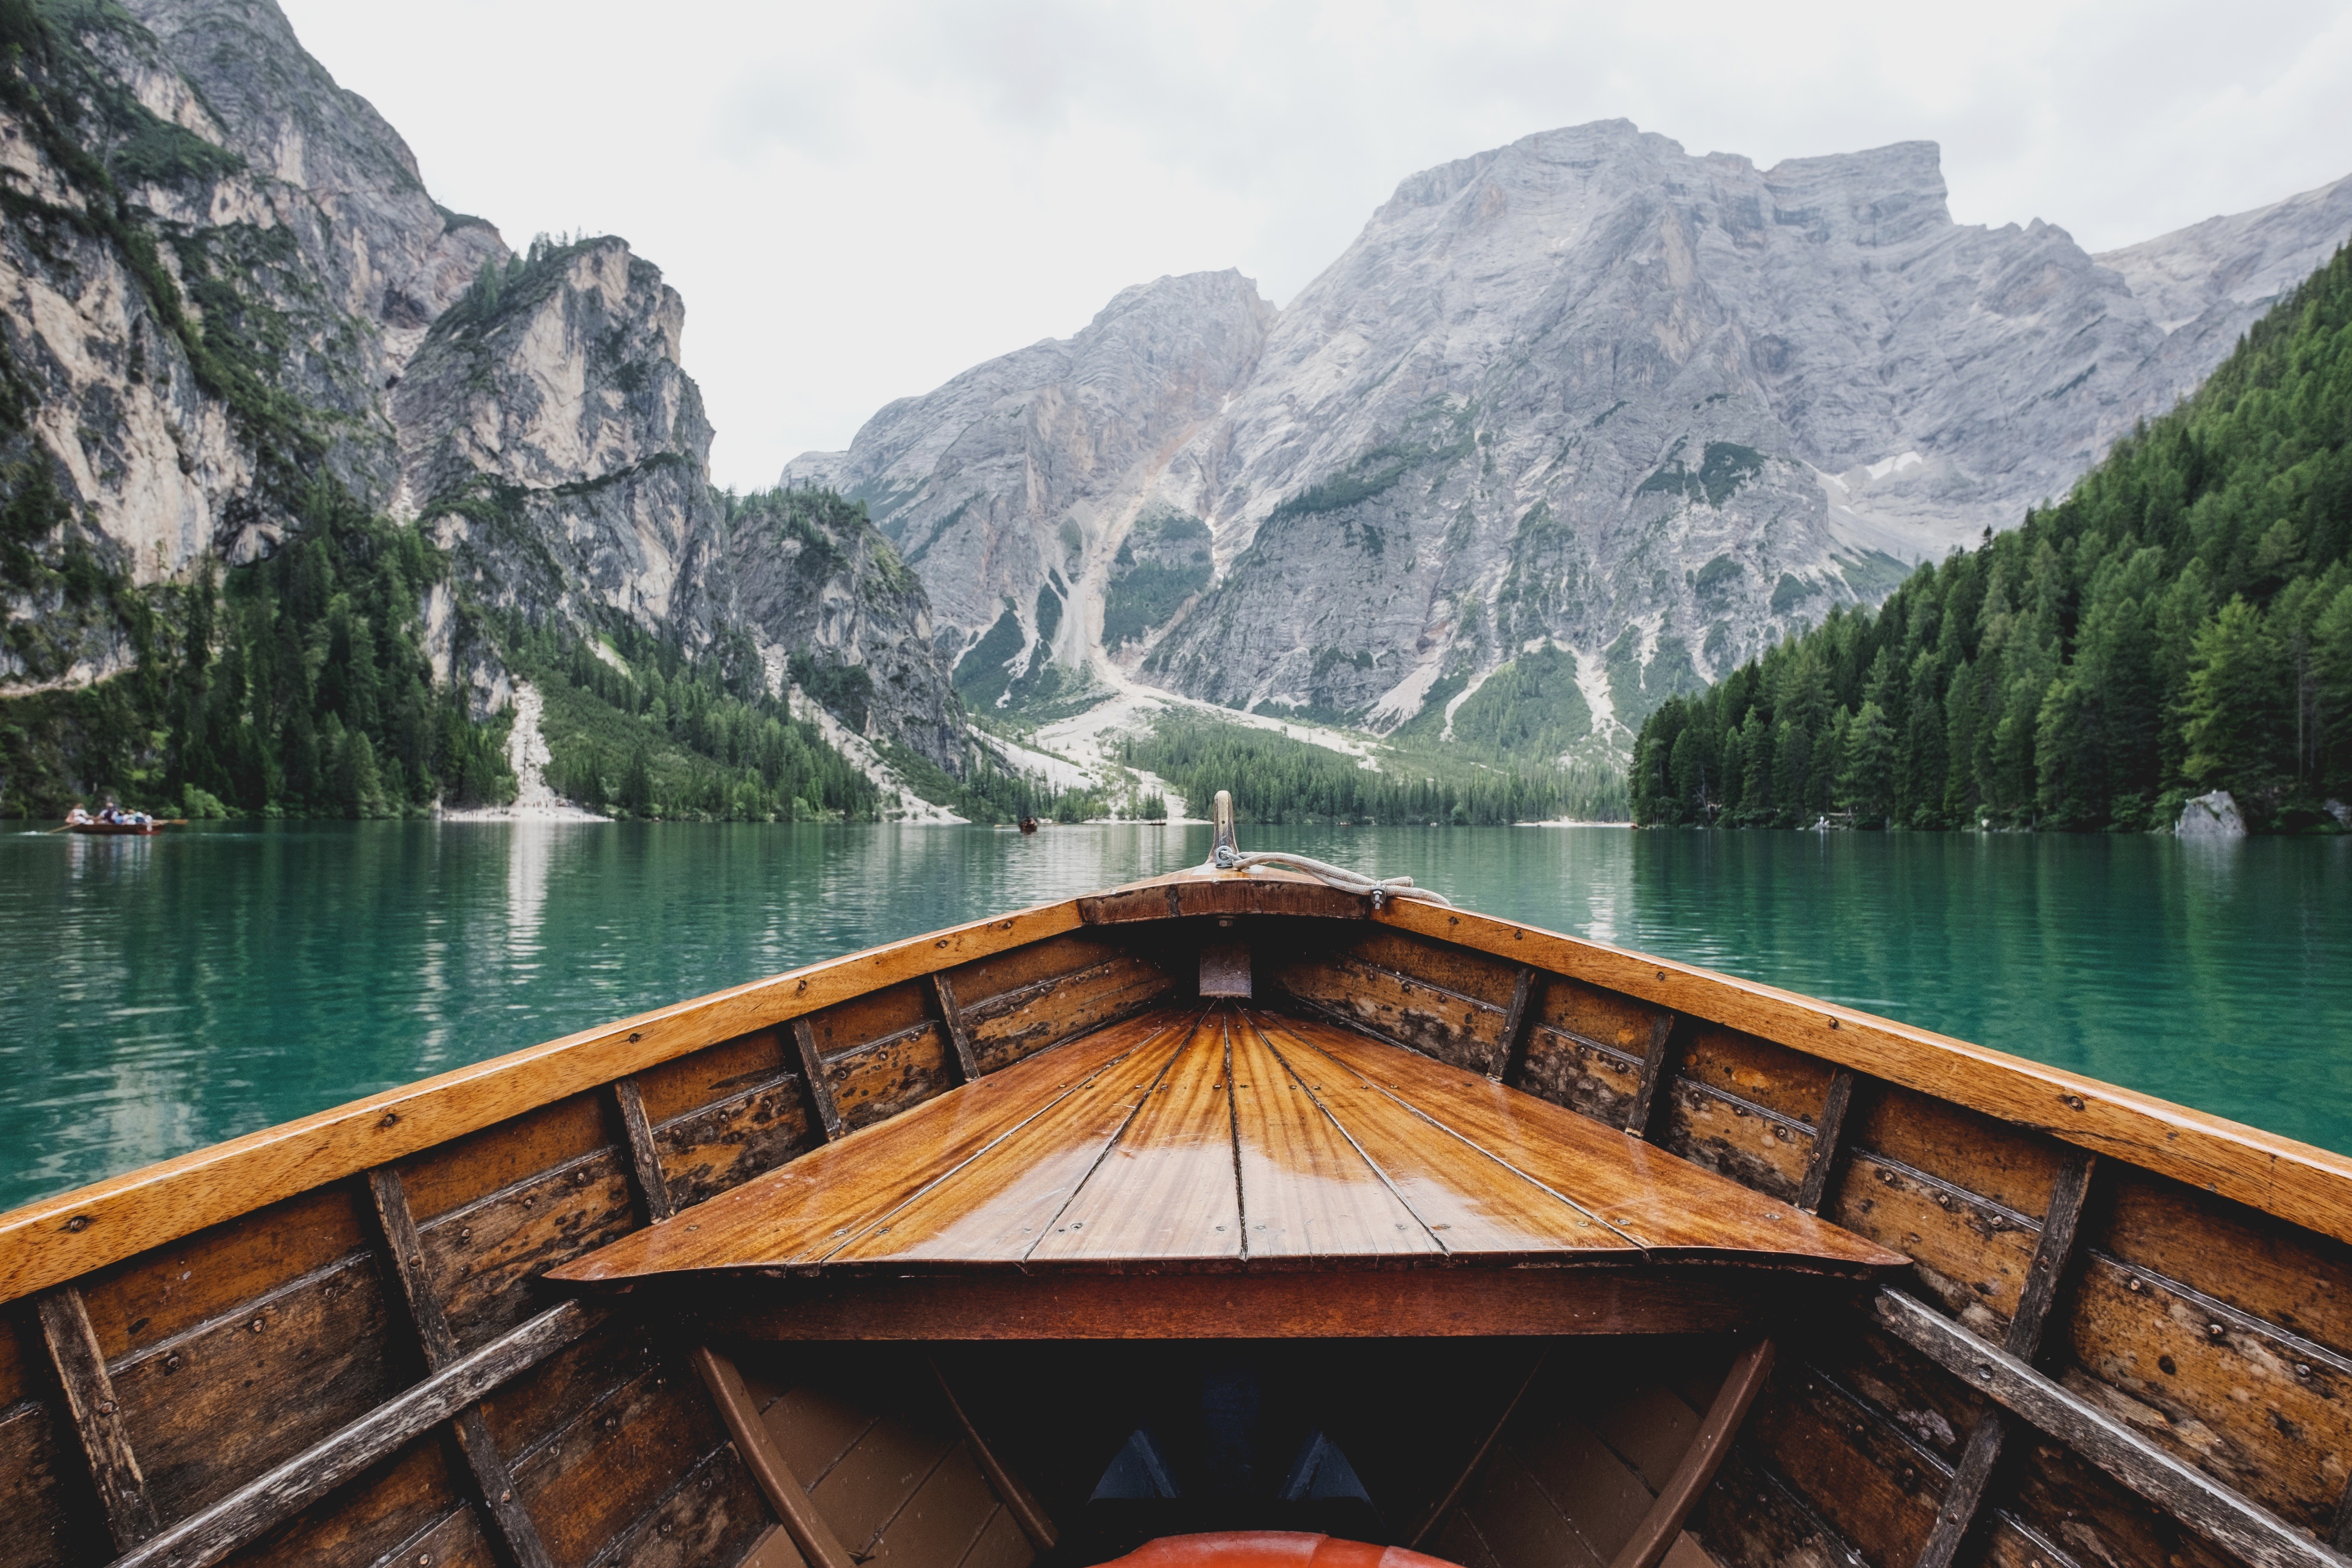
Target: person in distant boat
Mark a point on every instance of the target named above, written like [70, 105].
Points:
[109, 812]
[1028, 824]
[77, 817]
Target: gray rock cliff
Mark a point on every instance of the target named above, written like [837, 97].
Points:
[1028, 471]
[291, 233]
[557, 449]
[304, 310]
[1586, 394]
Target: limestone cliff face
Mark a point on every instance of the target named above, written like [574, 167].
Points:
[1024, 473]
[551, 441]
[1592, 394]
[221, 278]
[556, 447]
[213, 261]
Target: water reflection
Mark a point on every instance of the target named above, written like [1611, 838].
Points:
[164, 992]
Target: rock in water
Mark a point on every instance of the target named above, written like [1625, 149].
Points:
[2213, 815]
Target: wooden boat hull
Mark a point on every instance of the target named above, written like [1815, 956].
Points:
[115, 830]
[2124, 1336]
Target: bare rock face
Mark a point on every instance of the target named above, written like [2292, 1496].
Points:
[1029, 468]
[555, 445]
[551, 440]
[531, 412]
[286, 226]
[1585, 394]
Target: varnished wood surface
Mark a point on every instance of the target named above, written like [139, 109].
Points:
[55, 1239]
[2297, 1181]
[1157, 1181]
[1229, 1138]
[2217, 1333]
[1419, 1303]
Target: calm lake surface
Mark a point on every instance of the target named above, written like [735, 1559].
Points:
[158, 994]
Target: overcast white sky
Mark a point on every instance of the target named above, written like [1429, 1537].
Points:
[860, 199]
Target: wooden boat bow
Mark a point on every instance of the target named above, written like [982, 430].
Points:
[1075, 1193]
[2014, 1316]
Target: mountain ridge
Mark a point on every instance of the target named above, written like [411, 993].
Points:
[1590, 392]
[235, 329]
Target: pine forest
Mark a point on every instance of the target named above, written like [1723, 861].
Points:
[2181, 623]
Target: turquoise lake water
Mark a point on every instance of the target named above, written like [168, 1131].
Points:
[162, 993]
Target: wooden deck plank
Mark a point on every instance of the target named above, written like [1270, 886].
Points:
[1001, 1545]
[1599, 1492]
[1192, 1140]
[1663, 1203]
[800, 1211]
[1005, 1201]
[813, 1428]
[1307, 1188]
[1473, 1204]
[876, 1479]
[942, 1521]
[1167, 1188]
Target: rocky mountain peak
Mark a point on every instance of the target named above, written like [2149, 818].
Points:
[1585, 393]
[1022, 473]
[278, 325]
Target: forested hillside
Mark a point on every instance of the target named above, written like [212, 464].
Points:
[295, 685]
[2181, 622]
[287, 503]
[1276, 779]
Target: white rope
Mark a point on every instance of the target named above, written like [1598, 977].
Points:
[1382, 889]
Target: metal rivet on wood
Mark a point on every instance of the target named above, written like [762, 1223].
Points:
[510, 1523]
[820, 1086]
[952, 1015]
[2054, 1256]
[97, 1417]
[1659, 1064]
[211, 1533]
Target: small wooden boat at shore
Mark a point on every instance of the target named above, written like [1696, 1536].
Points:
[1231, 1201]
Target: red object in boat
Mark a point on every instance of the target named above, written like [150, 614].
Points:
[1269, 1548]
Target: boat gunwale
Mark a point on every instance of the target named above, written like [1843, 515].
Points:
[122, 1217]
[55, 1240]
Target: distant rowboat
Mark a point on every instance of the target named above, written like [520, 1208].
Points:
[122, 829]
